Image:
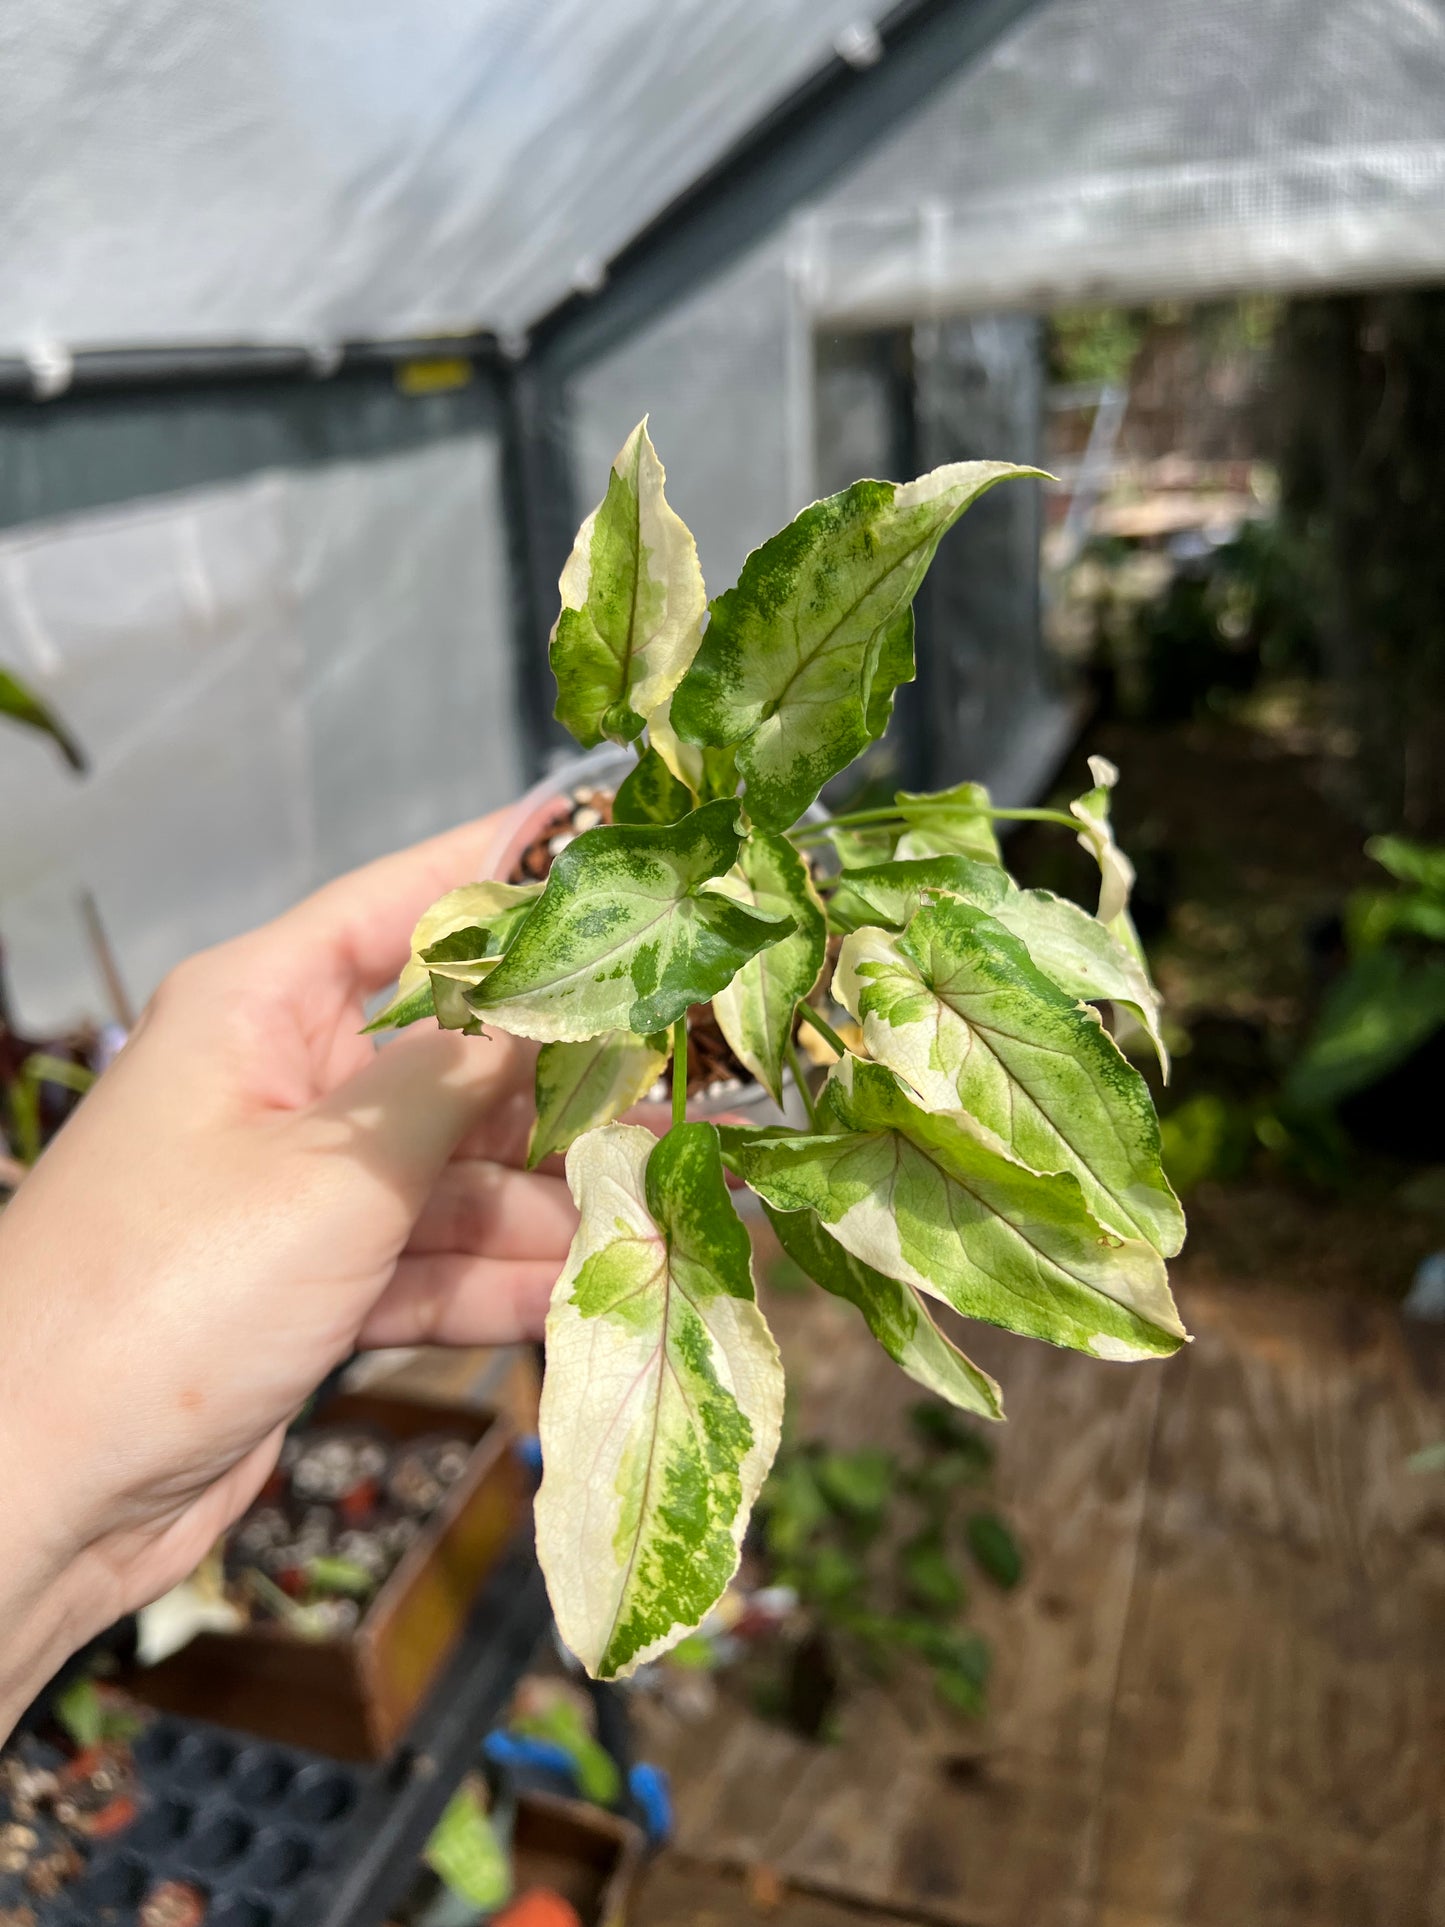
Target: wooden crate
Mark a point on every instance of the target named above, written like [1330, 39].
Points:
[353, 1697]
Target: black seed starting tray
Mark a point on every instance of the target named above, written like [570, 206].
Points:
[272, 1836]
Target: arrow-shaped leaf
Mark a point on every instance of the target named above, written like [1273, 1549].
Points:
[956, 1007]
[796, 663]
[632, 604]
[628, 933]
[890, 895]
[1064, 941]
[484, 917]
[950, 822]
[920, 1197]
[580, 1086]
[1082, 956]
[663, 1398]
[755, 1011]
[895, 1313]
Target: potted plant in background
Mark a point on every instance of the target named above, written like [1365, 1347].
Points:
[980, 1140]
[38, 1085]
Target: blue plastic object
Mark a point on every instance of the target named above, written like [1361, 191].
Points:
[652, 1803]
[515, 1753]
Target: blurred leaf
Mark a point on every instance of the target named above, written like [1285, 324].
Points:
[941, 1426]
[1377, 1014]
[78, 1709]
[693, 1654]
[833, 1576]
[1430, 1458]
[857, 1484]
[21, 706]
[995, 1549]
[793, 1507]
[1422, 864]
[959, 1689]
[930, 1575]
[1207, 1137]
[562, 1724]
[344, 1577]
[466, 1855]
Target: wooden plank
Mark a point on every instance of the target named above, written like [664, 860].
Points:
[679, 1893]
[1278, 1753]
[912, 1809]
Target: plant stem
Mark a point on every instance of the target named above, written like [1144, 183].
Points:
[679, 1070]
[804, 1091]
[815, 832]
[824, 1029]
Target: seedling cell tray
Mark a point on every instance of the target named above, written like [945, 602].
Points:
[271, 1835]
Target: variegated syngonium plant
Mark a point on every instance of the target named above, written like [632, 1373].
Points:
[980, 1141]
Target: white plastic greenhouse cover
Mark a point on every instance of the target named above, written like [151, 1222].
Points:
[1136, 149]
[274, 680]
[340, 169]
[344, 168]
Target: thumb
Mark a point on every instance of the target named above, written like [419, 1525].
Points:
[409, 1109]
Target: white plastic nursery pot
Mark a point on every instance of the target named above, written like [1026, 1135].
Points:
[549, 800]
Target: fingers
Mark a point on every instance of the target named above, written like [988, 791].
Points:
[360, 926]
[451, 1298]
[489, 1211]
[405, 1113]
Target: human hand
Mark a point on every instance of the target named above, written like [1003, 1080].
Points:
[251, 1192]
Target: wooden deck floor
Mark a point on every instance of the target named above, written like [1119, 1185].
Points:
[1219, 1699]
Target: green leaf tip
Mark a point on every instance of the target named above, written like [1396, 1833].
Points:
[633, 602]
[800, 660]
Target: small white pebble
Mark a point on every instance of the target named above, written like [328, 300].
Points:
[557, 844]
[584, 796]
[718, 1087]
[586, 819]
[729, 1085]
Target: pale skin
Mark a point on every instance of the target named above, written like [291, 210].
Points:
[251, 1193]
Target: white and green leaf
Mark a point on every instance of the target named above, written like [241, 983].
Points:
[485, 917]
[650, 793]
[895, 1313]
[870, 845]
[800, 659]
[1083, 957]
[581, 1086]
[957, 1008]
[633, 602]
[952, 822]
[755, 1011]
[1064, 941]
[662, 1402]
[891, 894]
[924, 1198]
[629, 931]
[1096, 835]
[709, 773]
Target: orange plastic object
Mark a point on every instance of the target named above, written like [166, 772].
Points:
[542, 1907]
